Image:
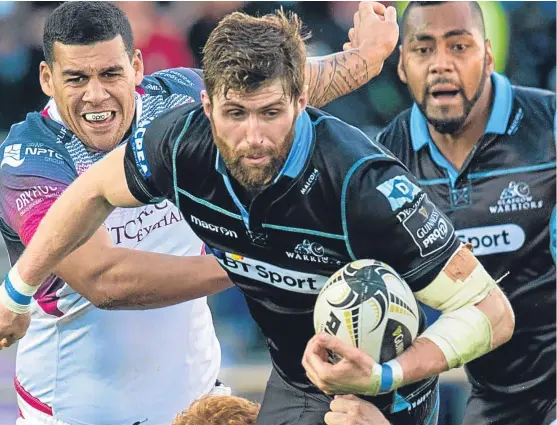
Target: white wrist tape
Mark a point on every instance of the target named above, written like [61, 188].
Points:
[385, 378]
[15, 294]
[447, 294]
[463, 332]
[462, 335]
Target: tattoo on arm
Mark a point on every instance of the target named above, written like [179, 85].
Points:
[333, 76]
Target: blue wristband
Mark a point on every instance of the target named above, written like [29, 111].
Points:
[16, 296]
[386, 378]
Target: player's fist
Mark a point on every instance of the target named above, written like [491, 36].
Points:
[375, 30]
[351, 410]
[13, 326]
[350, 375]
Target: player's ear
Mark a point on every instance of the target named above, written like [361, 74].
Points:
[206, 102]
[46, 79]
[400, 68]
[138, 67]
[489, 59]
[303, 99]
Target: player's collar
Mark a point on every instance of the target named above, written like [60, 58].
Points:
[51, 110]
[498, 119]
[297, 157]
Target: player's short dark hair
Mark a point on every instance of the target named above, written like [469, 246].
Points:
[85, 23]
[474, 5]
[245, 52]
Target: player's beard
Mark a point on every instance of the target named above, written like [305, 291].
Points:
[255, 178]
[451, 125]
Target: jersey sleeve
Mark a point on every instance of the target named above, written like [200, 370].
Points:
[32, 177]
[388, 217]
[186, 81]
[148, 160]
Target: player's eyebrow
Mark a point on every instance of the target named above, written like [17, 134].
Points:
[448, 34]
[73, 72]
[455, 33]
[232, 104]
[112, 69]
[78, 72]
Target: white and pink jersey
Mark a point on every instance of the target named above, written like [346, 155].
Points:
[78, 364]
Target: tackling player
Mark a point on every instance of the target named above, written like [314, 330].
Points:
[255, 173]
[80, 364]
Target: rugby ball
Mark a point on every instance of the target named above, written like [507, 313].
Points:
[368, 305]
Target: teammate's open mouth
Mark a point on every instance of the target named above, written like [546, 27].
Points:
[440, 93]
[444, 93]
[102, 117]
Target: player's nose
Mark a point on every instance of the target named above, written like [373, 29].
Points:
[95, 92]
[253, 135]
[442, 62]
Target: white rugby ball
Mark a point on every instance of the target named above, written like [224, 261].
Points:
[368, 305]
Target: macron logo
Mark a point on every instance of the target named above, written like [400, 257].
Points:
[213, 228]
[12, 156]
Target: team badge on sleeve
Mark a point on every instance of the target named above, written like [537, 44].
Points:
[430, 230]
[399, 191]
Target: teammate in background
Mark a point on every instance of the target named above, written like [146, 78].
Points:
[484, 152]
[256, 172]
[79, 364]
[231, 410]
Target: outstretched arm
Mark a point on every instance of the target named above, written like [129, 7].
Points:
[372, 40]
[119, 278]
[76, 216]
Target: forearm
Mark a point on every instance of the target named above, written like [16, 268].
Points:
[131, 279]
[422, 360]
[75, 217]
[476, 318]
[336, 75]
[459, 337]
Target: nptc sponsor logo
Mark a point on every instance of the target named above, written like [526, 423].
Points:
[488, 240]
[515, 197]
[14, 155]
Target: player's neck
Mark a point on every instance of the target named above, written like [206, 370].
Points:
[456, 147]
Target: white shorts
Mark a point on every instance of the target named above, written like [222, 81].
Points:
[32, 416]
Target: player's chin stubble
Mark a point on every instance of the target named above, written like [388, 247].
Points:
[254, 178]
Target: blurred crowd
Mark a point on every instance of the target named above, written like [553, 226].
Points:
[172, 34]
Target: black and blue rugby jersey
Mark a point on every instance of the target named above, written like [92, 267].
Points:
[501, 201]
[338, 198]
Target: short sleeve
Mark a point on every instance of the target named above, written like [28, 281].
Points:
[32, 177]
[388, 217]
[148, 160]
